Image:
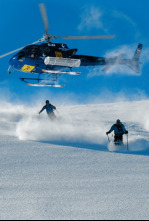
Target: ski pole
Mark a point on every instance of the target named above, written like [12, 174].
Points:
[108, 138]
[127, 142]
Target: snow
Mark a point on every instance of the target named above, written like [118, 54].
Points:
[67, 170]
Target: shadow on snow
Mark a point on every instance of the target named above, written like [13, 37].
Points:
[138, 147]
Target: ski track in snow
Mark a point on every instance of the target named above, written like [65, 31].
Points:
[67, 169]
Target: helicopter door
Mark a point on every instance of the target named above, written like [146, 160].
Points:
[21, 57]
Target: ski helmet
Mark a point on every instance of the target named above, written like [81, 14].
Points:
[47, 102]
[118, 122]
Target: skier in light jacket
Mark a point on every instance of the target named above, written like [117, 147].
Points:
[119, 131]
[50, 110]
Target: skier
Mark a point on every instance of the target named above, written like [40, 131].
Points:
[119, 131]
[50, 110]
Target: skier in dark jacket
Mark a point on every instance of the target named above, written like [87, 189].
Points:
[119, 131]
[50, 110]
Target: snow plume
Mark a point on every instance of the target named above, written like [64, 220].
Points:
[87, 124]
[73, 125]
[128, 52]
[77, 124]
[106, 96]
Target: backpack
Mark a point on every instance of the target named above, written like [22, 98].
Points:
[119, 127]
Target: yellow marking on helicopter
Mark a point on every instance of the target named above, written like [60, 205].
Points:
[27, 68]
[58, 54]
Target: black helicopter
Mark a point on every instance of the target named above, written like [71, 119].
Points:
[51, 60]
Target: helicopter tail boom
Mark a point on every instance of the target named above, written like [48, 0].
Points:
[133, 63]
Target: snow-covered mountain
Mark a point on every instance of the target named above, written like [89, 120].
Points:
[68, 169]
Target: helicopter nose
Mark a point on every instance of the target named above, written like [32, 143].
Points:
[14, 63]
[13, 60]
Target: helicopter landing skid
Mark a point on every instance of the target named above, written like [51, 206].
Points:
[40, 83]
[61, 72]
[46, 85]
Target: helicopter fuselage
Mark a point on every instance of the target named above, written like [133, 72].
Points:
[54, 59]
[31, 59]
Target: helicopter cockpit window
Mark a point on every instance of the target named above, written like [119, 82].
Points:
[26, 49]
[34, 51]
[44, 49]
[21, 57]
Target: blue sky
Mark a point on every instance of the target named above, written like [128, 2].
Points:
[21, 24]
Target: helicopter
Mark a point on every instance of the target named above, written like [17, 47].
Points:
[51, 60]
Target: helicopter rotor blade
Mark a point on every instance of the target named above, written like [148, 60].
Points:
[44, 16]
[11, 52]
[84, 37]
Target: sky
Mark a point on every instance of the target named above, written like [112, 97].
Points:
[21, 24]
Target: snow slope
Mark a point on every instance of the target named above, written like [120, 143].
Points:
[67, 170]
